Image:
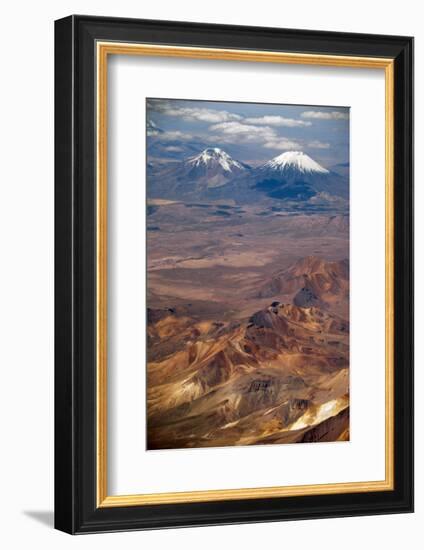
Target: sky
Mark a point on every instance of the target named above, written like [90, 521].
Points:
[251, 132]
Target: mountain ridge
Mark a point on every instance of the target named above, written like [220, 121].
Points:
[290, 178]
[230, 374]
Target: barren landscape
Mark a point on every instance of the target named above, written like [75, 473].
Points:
[248, 303]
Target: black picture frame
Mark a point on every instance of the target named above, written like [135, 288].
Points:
[76, 510]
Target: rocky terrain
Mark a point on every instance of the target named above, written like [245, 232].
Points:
[281, 375]
[248, 302]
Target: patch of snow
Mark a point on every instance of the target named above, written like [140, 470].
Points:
[152, 128]
[297, 160]
[214, 155]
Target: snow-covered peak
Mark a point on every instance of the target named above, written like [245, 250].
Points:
[295, 160]
[152, 129]
[213, 156]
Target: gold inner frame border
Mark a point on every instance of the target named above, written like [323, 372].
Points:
[103, 50]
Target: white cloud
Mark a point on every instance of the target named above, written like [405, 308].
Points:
[231, 128]
[283, 144]
[204, 115]
[191, 113]
[175, 134]
[238, 131]
[276, 120]
[325, 115]
[174, 149]
[318, 145]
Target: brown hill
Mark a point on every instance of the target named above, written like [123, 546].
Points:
[311, 281]
[236, 384]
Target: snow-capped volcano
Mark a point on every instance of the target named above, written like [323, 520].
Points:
[152, 129]
[294, 161]
[199, 176]
[214, 157]
[295, 176]
[213, 174]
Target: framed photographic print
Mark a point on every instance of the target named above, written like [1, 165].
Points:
[233, 274]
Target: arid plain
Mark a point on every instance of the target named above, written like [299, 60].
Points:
[248, 324]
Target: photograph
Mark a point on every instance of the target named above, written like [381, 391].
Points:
[233, 264]
[247, 273]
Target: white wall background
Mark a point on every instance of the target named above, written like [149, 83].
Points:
[26, 274]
